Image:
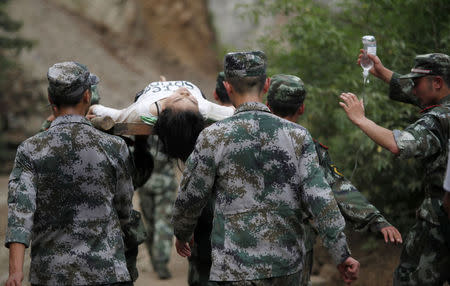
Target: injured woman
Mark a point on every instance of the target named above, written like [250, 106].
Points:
[181, 112]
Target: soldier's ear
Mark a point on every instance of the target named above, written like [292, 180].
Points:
[87, 96]
[301, 109]
[266, 85]
[228, 87]
[438, 82]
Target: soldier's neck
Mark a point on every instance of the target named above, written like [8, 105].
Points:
[241, 98]
[79, 109]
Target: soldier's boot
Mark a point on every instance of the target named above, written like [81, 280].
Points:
[162, 271]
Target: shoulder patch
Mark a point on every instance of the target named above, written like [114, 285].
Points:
[336, 171]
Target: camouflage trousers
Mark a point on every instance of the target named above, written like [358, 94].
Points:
[157, 211]
[425, 259]
[288, 280]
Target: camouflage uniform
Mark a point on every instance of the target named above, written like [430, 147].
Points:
[355, 208]
[262, 174]
[425, 259]
[157, 196]
[69, 195]
[289, 91]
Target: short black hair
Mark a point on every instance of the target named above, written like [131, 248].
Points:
[178, 131]
[69, 100]
[283, 109]
[242, 85]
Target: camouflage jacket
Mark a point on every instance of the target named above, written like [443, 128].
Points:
[357, 211]
[425, 139]
[69, 194]
[263, 174]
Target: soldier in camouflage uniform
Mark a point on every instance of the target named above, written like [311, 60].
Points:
[70, 194]
[425, 259]
[262, 174]
[157, 196]
[285, 98]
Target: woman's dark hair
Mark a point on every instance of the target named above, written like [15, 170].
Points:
[178, 130]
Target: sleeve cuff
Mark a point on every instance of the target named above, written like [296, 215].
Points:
[403, 139]
[183, 238]
[339, 250]
[18, 235]
[376, 227]
[181, 232]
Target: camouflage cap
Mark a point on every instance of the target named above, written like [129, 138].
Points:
[430, 64]
[244, 64]
[286, 89]
[69, 79]
[220, 88]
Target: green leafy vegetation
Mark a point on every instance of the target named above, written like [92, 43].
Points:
[320, 43]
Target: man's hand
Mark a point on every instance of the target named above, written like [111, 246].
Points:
[183, 248]
[353, 107]
[16, 255]
[90, 114]
[349, 270]
[378, 70]
[391, 234]
[15, 279]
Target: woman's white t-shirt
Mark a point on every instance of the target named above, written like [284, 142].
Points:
[156, 91]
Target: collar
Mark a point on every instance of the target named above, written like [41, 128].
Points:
[252, 106]
[443, 101]
[70, 118]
